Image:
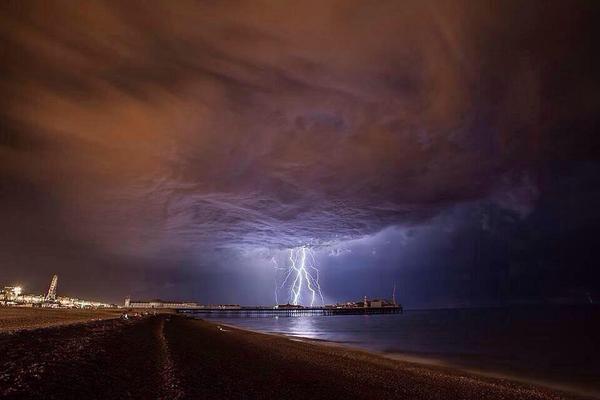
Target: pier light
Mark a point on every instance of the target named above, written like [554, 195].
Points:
[18, 290]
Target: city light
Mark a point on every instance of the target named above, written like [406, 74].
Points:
[15, 296]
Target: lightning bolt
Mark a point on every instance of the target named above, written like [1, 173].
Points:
[301, 270]
[274, 261]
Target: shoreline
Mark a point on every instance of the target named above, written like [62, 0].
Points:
[178, 357]
[430, 361]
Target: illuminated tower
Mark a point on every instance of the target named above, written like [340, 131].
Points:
[52, 289]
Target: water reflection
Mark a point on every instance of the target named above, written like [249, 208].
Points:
[303, 326]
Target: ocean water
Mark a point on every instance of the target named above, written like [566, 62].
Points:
[556, 345]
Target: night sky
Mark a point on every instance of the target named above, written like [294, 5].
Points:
[178, 149]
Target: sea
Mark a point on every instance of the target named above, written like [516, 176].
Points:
[557, 346]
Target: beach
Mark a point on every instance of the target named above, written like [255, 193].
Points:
[22, 318]
[174, 357]
[548, 345]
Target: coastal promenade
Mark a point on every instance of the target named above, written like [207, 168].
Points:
[174, 357]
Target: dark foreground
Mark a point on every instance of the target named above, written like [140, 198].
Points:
[172, 357]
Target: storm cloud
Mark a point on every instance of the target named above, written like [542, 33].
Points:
[148, 129]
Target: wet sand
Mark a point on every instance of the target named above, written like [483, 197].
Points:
[173, 357]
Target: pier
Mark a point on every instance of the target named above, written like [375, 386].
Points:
[289, 312]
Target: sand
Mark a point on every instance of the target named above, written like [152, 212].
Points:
[174, 357]
[17, 318]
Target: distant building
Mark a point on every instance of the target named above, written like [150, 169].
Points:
[10, 294]
[366, 303]
[228, 306]
[376, 303]
[159, 304]
[33, 299]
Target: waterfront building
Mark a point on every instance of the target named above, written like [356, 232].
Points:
[159, 304]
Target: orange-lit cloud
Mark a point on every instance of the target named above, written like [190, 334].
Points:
[141, 127]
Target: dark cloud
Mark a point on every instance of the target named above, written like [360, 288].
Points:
[148, 130]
